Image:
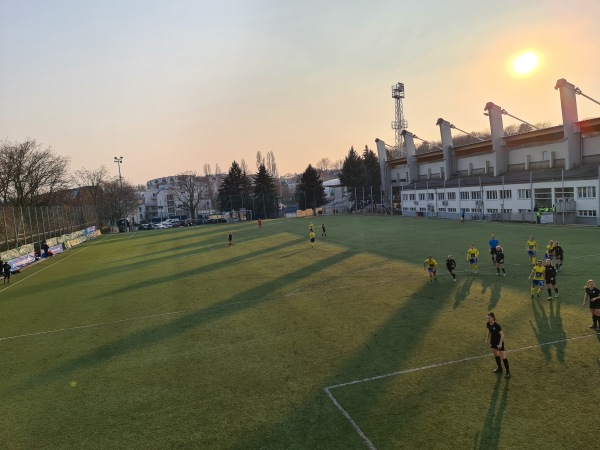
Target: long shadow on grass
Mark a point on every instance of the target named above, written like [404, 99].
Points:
[162, 258]
[489, 439]
[154, 335]
[216, 266]
[549, 328]
[389, 350]
[495, 287]
[463, 292]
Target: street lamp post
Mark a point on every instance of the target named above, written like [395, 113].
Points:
[119, 160]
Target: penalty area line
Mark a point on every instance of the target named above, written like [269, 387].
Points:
[353, 423]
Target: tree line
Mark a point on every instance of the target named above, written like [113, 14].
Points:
[33, 175]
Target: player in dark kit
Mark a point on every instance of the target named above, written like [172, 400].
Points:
[323, 231]
[592, 293]
[500, 261]
[5, 273]
[230, 238]
[559, 255]
[451, 266]
[495, 338]
[550, 276]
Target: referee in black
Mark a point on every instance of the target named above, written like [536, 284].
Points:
[495, 338]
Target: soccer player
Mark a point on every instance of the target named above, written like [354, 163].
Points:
[493, 244]
[472, 255]
[538, 274]
[6, 273]
[592, 293]
[311, 227]
[430, 265]
[323, 231]
[260, 223]
[550, 278]
[311, 236]
[559, 255]
[451, 266]
[550, 250]
[495, 338]
[230, 238]
[531, 248]
[500, 261]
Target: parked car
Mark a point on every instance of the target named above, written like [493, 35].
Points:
[158, 226]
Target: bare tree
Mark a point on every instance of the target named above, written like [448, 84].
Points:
[244, 166]
[189, 190]
[90, 184]
[32, 175]
[115, 202]
[337, 165]
[324, 164]
[260, 160]
[272, 165]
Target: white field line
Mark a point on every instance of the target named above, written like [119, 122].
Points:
[353, 423]
[69, 255]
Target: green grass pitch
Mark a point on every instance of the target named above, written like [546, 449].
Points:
[172, 339]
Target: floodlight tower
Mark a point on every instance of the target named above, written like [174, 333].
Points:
[400, 124]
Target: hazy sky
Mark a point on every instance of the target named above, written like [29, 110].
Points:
[173, 84]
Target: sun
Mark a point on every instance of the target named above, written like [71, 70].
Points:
[525, 63]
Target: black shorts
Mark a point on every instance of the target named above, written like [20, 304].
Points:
[495, 347]
[500, 261]
[493, 251]
[595, 304]
[550, 281]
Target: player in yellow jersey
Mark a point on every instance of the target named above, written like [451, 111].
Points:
[550, 250]
[538, 274]
[472, 255]
[531, 248]
[311, 227]
[430, 265]
[311, 236]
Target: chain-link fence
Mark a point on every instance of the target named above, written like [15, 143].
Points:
[23, 225]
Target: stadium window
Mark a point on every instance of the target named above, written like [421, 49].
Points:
[586, 192]
[430, 196]
[507, 211]
[523, 194]
[586, 213]
[452, 210]
[441, 196]
[506, 194]
[475, 195]
[411, 196]
[491, 195]
[405, 197]
[442, 209]
[451, 195]
[563, 195]
[421, 196]
[464, 195]
[492, 210]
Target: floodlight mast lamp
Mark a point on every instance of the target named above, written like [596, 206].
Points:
[400, 124]
[119, 160]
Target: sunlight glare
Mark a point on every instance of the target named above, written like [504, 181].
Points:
[525, 63]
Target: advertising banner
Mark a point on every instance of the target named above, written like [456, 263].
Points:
[22, 261]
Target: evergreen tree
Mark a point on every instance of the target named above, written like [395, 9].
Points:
[373, 173]
[310, 191]
[354, 174]
[265, 194]
[235, 191]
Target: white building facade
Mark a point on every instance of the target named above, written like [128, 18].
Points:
[505, 177]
